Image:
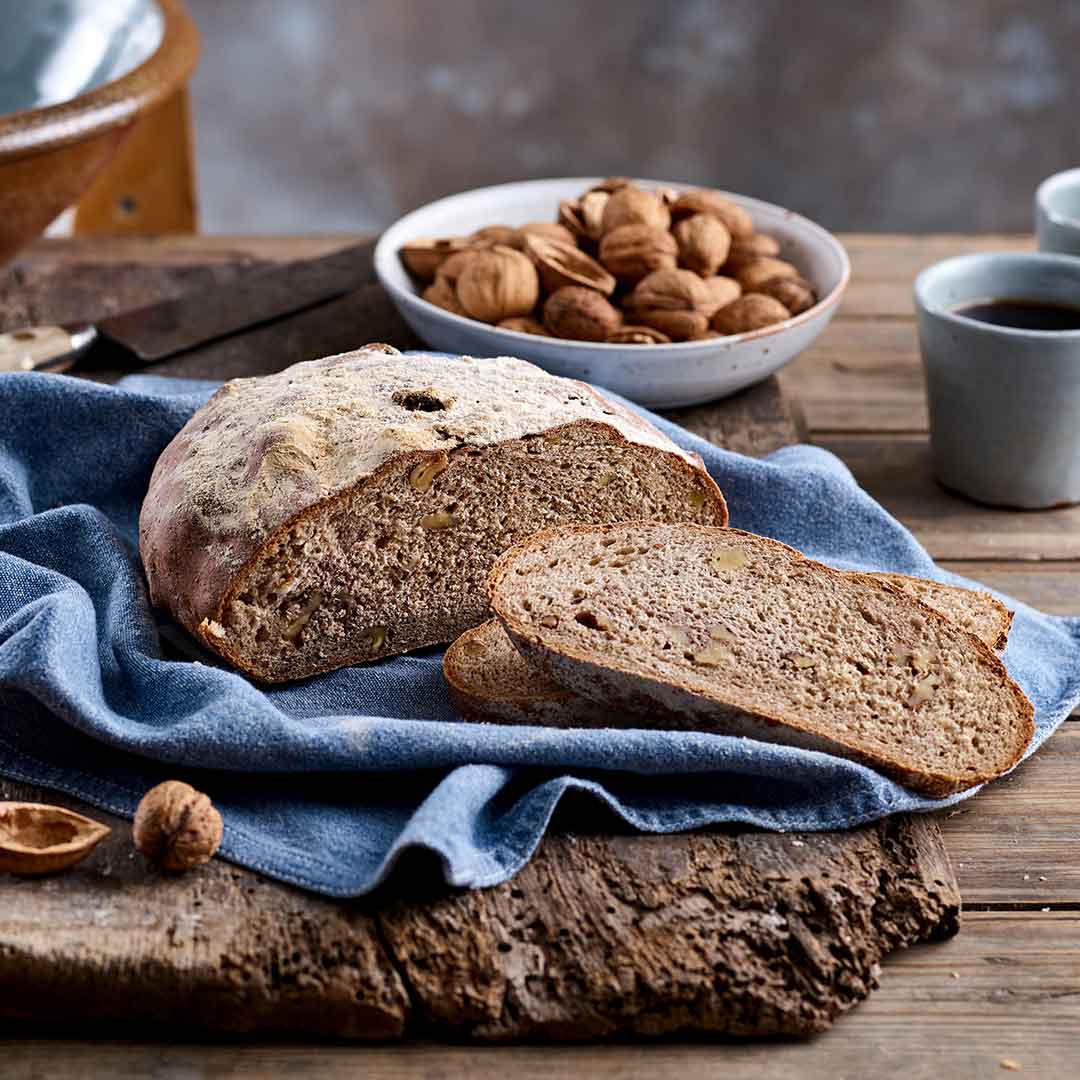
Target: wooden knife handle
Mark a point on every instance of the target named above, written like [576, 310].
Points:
[44, 348]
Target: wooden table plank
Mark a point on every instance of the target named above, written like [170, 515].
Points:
[1017, 843]
[1007, 989]
[860, 376]
[897, 472]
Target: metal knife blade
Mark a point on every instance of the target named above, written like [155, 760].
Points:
[159, 330]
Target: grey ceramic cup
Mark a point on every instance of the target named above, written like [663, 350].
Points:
[1057, 213]
[1004, 403]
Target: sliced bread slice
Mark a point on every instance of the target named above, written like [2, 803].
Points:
[976, 611]
[490, 680]
[719, 630]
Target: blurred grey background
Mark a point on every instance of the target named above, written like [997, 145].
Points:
[885, 115]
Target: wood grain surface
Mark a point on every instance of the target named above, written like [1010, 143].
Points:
[1005, 989]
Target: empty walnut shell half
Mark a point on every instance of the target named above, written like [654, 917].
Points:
[497, 284]
[794, 293]
[752, 311]
[584, 217]
[638, 335]
[734, 218]
[562, 264]
[580, 314]
[632, 251]
[36, 838]
[423, 257]
[756, 273]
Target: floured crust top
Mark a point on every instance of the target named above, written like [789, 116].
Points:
[263, 449]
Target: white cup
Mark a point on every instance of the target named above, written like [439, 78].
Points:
[1057, 213]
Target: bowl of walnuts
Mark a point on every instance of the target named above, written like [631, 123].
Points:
[668, 294]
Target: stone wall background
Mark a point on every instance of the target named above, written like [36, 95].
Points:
[865, 114]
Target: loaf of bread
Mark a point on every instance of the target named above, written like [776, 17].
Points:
[490, 680]
[719, 630]
[350, 508]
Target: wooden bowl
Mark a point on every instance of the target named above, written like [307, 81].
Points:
[50, 155]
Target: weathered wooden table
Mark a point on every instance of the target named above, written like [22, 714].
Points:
[1006, 991]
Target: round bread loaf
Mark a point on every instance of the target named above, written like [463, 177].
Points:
[350, 508]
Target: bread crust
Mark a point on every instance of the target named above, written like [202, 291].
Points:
[678, 704]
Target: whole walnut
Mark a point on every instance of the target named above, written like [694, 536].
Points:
[745, 249]
[632, 251]
[794, 293]
[676, 302]
[752, 311]
[722, 290]
[755, 274]
[176, 827]
[703, 243]
[441, 293]
[733, 217]
[632, 206]
[497, 284]
[451, 269]
[581, 314]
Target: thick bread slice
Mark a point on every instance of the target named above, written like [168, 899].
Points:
[720, 630]
[350, 508]
[490, 680]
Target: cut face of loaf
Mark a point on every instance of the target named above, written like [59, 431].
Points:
[719, 630]
[350, 508]
[490, 680]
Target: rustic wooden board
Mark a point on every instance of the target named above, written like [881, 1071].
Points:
[1004, 990]
[600, 935]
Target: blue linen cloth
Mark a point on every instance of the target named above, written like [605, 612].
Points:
[325, 783]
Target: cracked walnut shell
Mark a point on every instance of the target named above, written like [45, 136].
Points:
[562, 264]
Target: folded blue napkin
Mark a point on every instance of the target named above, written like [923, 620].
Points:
[325, 783]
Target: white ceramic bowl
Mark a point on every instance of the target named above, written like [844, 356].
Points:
[660, 376]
